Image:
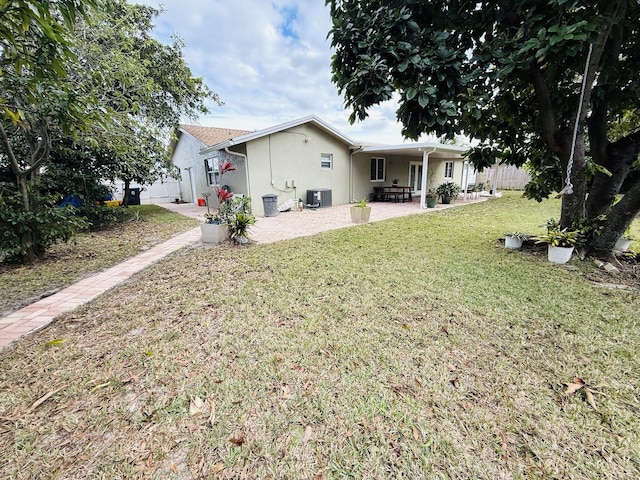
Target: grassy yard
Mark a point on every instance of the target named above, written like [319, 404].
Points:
[410, 348]
[88, 253]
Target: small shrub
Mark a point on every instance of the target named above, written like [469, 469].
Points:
[28, 234]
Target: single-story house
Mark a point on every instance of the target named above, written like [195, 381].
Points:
[308, 159]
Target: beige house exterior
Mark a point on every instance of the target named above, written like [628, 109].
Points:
[308, 159]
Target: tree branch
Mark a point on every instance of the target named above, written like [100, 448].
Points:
[547, 115]
[9, 151]
[41, 153]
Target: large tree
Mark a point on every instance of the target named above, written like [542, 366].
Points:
[543, 81]
[145, 85]
[96, 78]
[36, 100]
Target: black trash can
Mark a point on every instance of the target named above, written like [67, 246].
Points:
[270, 204]
[134, 196]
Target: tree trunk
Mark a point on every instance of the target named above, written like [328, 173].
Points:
[619, 217]
[125, 195]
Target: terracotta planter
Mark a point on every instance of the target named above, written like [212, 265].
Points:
[559, 254]
[360, 214]
[214, 232]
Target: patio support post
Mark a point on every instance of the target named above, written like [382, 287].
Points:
[466, 180]
[423, 180]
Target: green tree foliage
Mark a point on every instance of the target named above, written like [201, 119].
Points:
[146, 87]
[84, 82]
[36, 99]
[509, 73]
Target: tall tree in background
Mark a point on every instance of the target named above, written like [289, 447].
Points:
[36, 99]
[35, 57]
[524, 77]
[145, 85]
[95, 78]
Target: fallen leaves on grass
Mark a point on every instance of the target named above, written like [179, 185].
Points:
[197, 406]
[579, 384]
[45, 397]
[237, 439]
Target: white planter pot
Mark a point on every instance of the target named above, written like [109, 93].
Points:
[559, 254]
[623, 244]
[214, 233]
[512, 242]
[360, 214]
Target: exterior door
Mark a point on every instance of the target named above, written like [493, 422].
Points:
[415, 176]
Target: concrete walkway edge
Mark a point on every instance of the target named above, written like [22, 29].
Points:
[42, 312]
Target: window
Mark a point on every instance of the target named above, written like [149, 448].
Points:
[448, 170]
[377, 169]
[211, 167]
[326, 161]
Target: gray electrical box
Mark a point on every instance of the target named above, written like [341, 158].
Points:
[319, 195]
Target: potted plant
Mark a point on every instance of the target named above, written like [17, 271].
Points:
[447, 191]
[215, 228]
[360, 212]
[432, 198]
[239, 226]
[213, 231]
[561, 243]
[514, 239]
[624, 242]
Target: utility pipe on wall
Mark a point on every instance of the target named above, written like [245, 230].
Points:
[423, 181]
[246, 167]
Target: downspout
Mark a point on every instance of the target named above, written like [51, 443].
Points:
[423, 180]
[192, 184]
[246, 167]
[351, 188]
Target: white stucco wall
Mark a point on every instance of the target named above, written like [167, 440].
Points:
[186, 155]
[287, 164]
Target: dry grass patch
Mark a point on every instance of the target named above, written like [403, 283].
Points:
[412, 348]
[88, 253]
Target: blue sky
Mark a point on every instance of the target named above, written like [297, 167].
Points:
[269, 61]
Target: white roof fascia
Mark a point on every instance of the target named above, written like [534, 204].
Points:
[278, 128]
[439, 147]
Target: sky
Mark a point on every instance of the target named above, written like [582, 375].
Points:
[269, 62]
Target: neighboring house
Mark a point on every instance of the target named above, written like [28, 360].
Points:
[307, 159]
[195, 172]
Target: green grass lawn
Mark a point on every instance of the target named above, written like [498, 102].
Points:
[88, 253]
[411, 348]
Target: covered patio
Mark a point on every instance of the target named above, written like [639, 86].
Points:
[418, 167]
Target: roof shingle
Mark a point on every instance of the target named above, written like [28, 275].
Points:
[212, 135]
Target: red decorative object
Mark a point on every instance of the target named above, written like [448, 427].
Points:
[224, 167]
[222, 194]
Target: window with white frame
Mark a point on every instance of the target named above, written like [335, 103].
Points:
[213, 174]
[377, 169]
[326, 161]
[448, 170]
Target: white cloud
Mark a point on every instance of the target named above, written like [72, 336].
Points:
[269, 61]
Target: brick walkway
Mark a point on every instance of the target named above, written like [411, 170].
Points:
[284, 226]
